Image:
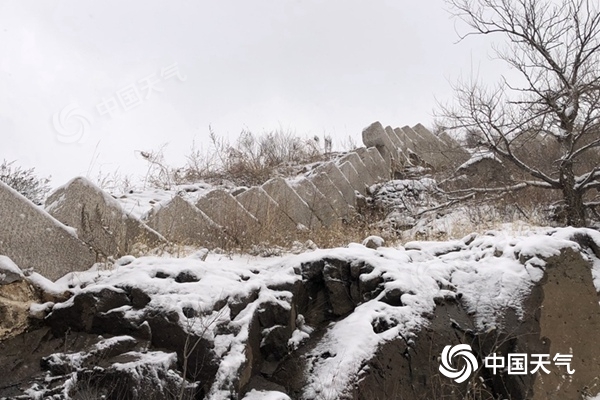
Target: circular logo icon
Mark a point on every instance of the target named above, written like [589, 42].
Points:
[72, 124]
[463, 351]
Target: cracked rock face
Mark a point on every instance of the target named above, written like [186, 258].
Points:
[353, 323]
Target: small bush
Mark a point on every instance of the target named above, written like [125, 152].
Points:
[25, 181]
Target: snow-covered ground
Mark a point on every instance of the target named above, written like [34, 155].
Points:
[491, 271]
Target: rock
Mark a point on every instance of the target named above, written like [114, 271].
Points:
[182, 222]
[15, 299]
[34, 239]
[373, 242]
[99, 219]
[9, 272]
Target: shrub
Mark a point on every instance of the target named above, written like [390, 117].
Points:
[25, 181]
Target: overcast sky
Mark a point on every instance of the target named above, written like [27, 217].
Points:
[86, 83]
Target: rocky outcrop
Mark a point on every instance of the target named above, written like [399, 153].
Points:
[382, 317]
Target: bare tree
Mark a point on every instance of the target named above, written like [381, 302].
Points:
[546, 122]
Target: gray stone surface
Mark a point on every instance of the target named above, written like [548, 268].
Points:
[99, 219]
[384, 170]
[375, 135]
[258, 203]
[373, 167]
[226, 211]
[360, 167]
[182, 222]
[331, 193]
[353, 177]
[291, 203]
[339, 180]
[453, 152]
[407, 142]
[315, 200]
[33, 239]
[398, 150]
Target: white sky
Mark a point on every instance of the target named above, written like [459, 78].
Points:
[312, 66]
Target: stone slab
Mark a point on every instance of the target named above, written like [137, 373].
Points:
[385, 171]
[375, 135]
[332, 193]
[365, 175]
[182, 222]
[221, 207]
[316, 201]
[258, 203]
[291, 203]
[353, 177]
[99, 219]
[339, 180]
[34, 239]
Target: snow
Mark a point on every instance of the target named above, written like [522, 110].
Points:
[139, 203]
[265, 395]
[477, 157]
[491, 271]
[7, 265]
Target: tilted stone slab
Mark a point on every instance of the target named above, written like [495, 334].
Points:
[99, 219]
[374, 168]
[34, 239]
[454, 153]
[291, 203]
[221, 207]
[407, 142]
[182, 222]
[353, 177]
[375, 135]
[360, 167]
[256, 201]
[315, 200]
[339, 180]
[332, 193]
[398, 152]
[385, 171]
